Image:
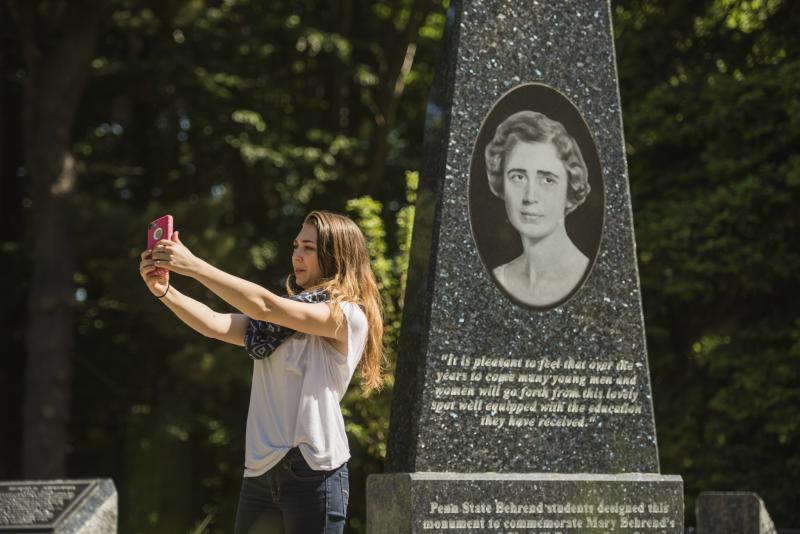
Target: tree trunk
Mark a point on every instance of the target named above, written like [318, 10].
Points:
[55, 80]
[394, 86]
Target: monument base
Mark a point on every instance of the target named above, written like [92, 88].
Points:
[542, 503]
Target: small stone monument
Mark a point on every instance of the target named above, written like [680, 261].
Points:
[733, 512]
[59, 506]
[522, 398]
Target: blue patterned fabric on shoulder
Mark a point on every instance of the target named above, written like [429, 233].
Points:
[262, 338]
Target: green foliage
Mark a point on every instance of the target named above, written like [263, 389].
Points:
[390, 270]
[367, 416]
[367, 430]
[239, 116]
[710, 94]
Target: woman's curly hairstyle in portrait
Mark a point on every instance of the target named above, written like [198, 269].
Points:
[535, 127]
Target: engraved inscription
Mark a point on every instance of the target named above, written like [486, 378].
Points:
[548, 517]
[537, 392]
[38, 504]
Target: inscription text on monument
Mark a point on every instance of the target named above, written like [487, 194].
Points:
[544, 392]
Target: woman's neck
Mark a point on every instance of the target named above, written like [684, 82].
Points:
[547, 255]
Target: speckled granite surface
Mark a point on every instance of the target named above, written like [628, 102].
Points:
[482, 383]
[732, 512]
[507, 415]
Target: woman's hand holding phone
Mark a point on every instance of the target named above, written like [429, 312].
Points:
[165, 252]
[173, 255]
[157, 280]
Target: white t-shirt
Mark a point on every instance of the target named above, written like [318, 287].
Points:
[295, 395]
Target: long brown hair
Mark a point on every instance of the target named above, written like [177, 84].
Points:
[347, 276]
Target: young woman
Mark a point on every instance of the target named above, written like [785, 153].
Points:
[305, 348]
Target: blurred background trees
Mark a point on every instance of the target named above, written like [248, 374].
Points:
[238, 116]
[711, 104]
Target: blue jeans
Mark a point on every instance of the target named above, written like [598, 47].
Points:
[292, 498]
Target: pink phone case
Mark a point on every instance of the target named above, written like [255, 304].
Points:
[157, 230]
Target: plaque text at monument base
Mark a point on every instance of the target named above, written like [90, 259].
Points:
[525, 503]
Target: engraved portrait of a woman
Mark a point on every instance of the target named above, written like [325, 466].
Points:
[536, 167]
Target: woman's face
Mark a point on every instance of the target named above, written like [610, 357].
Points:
[535, 189]
[304, 257]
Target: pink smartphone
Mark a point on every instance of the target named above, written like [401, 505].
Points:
[157, 230]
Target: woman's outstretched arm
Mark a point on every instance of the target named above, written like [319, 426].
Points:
[228, 327]
[249, 298]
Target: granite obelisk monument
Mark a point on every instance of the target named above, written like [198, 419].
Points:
[522, 398]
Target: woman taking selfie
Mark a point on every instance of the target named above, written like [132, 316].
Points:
[306, 347]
